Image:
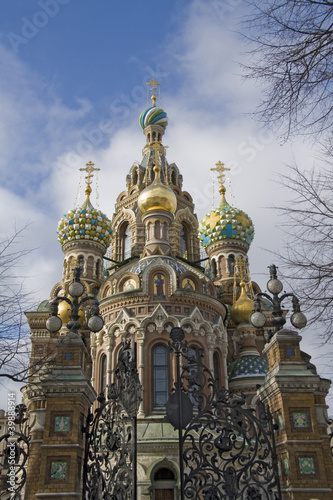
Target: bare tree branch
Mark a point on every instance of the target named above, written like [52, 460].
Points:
[307, 259]
[290, 44]
[14, 333]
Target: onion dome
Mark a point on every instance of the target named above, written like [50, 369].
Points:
[248, 365]
[64, 312]
[157, 196]
[243, 307]
[153, 116]
[226, 223]
[85, 223]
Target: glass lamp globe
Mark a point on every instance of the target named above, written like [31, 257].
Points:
[76, 289]
[258, 319]
[275, 286]
[53, 324]
[298, 320]
[95, 323]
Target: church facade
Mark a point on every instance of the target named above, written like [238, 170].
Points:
[156, 279]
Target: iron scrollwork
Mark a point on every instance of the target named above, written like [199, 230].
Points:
[110, 468]
[228, 452]
[13, 460]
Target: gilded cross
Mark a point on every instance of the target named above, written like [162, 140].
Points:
[153, 83]
[89, 168]
[220, 168]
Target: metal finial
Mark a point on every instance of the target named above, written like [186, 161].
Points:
[89, 168]
[220, 168]
[153, 83]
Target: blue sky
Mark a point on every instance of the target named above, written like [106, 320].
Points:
[72, 87]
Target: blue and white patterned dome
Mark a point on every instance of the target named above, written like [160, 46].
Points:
[249, 365]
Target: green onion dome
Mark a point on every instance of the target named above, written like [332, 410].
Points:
[226, 223]
[153, 116]
[85, 223]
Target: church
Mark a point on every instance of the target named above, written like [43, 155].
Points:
[153, 266]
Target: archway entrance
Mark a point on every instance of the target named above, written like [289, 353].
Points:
[164, 484]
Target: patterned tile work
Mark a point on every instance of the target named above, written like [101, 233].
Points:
[248, 366]
[226, 222]
[58, 470]
[285, 462]
[62, 424]
[138, 268]
[300, 419]
[306, 465]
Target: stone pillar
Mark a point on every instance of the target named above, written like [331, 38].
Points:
[293, 391]
[64, 396]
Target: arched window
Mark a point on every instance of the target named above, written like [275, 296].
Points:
[157, 230]
[102, 373]
[126, 242]
[164, 483]
[98, 269]
[184, 242]
[216, 363]
[161, 375]
[213, 269]
[231, 260]
[80, 260]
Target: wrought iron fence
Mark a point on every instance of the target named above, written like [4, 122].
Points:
[227, 451]
[111, 451]
[13, 460]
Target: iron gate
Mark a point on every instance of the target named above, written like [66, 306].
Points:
[226, 451]
[111, 448]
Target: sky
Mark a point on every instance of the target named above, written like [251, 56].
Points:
[72, 87]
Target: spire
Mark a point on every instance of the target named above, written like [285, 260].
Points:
[220, 168]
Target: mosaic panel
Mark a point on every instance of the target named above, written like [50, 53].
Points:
[58, 470]
[62, 423]
[285, 462]
[300, 419]
[306, 465]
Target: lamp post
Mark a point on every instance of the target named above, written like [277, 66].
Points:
[75, 289]
[275, 287]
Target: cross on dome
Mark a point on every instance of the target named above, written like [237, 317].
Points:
[153, 83]
[89, 168]
[221, 169]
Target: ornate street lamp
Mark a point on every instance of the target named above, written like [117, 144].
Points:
[275, 287]
[75, 289]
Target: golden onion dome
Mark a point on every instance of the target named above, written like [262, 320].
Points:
[157, 196]
[243, 307]
[64, 312]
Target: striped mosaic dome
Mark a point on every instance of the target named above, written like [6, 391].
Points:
[249, 365]
[226, 223]
[153, 116]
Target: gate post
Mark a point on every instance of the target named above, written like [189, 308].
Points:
[58, 406]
